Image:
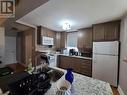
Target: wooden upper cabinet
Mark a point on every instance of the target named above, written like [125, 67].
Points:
[38, 35]
[112, 30]
[84, 38]
[42, 31]
[47, 32]
[57, 40]
[80, 42]
[98, 32]
[108, 31]
[61, 39]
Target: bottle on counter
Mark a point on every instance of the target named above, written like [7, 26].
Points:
[69, 75]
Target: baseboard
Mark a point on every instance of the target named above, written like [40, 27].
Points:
[120, 91]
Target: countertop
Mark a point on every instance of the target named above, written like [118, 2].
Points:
[76, 56]
[83, 85]
[53, 52]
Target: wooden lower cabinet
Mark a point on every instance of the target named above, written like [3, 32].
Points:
[79, 65]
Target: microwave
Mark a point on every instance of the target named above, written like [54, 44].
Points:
[47, 41]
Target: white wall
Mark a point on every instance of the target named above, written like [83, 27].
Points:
[123, 55]
[2, 43]
[7, 47]
[10, 49]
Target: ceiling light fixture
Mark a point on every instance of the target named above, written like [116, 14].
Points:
[66, 26]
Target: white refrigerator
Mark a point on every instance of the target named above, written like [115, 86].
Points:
[105, 61]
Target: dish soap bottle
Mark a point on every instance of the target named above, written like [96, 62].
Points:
[69, 75]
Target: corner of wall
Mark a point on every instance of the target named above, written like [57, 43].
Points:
[122, 88]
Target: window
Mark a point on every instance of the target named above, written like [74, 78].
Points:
[72, 40]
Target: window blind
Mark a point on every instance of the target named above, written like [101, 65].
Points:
[72, 39]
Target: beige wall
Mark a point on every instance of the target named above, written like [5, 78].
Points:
[123, 65]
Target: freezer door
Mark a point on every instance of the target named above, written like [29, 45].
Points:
[105, 68]
[107, 48]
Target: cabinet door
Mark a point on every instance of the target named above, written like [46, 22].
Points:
[60, 42]
[64, 62]
[85, 38]
[106, 31]
[98, 32]
[112, 31]
[80, 43]
[51, 33]
[44, 31]
[47, 32]
[88, 38]
[79, 65]
[63, 40]
[39, 35]
[86, 67]
[57, 41]
[75, 64]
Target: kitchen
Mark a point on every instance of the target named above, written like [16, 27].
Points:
[81, 63]
[93, 50]
[82, 41]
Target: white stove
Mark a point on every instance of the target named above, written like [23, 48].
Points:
[52, 60]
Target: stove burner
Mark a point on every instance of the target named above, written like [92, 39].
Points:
[36, 84]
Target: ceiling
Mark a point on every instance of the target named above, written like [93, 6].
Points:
[80, 13]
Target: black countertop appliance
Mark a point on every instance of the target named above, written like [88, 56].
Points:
[35, 84]
[72, 52]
